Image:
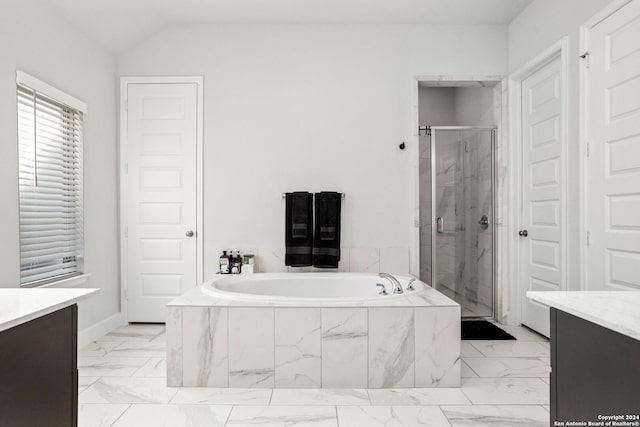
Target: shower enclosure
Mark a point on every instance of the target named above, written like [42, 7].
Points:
[457, 215]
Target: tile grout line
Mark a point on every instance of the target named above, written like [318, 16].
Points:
[368, 341]
[227, 310]
[468, 366]
[321, 347]
[120, 416]
[180, 327]
[141, 366]
[415, 348]
[229, 415]
[477, 349]
[445, 414]
[465, 394]
[369, 397]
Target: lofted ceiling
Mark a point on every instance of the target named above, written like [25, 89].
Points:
[119, 24]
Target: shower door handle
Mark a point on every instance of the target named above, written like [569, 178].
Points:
[440, 224]
[484, 222]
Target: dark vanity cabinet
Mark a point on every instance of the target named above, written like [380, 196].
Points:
[38, 371]
[595, 371]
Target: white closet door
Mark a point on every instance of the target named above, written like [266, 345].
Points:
[543, 162]
[161, 196]
[613, 186]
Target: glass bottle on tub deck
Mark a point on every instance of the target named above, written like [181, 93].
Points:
[224, 263]
[239, 262]
[236, 263]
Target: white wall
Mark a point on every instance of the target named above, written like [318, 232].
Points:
[35, 39]
[312, 107]
[538, 27]
[545, 22]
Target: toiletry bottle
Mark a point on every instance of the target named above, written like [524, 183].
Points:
[247, 263]
[224, 263]
[239, 262]
[235, 265]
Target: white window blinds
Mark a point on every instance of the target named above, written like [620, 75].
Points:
[50, 180]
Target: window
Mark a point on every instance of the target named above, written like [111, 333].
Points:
[50, 179]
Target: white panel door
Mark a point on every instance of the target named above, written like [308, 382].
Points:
[543, 161]
[161, 196]
[613, 184]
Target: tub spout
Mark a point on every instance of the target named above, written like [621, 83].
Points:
[395, 284]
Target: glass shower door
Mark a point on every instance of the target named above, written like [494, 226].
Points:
[463, 217]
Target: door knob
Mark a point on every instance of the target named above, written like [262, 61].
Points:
[189, 233]
[523, 233]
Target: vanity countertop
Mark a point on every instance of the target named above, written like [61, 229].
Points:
[617, 311]
[19, 306]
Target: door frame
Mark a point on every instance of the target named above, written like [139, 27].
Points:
[585, 46]
[500, 145]
[122, 176]
[557, 50]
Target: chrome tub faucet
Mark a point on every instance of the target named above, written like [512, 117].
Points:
[395, 283]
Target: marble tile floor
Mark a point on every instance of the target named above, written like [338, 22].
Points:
[122, 384]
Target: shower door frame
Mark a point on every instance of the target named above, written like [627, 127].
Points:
[432, 142]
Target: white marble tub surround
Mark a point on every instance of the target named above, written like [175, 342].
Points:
[344, 346]
[438, 347]
[615, 310]
[314, 338]
[207, 363]
[18, 306]
[298, 348]
[251, 347]
[391, 347]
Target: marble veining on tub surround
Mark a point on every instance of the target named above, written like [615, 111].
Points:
[314, 347]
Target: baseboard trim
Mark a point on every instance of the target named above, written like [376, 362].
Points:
[93, 332]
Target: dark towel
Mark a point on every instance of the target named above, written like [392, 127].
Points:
[326, 242]
[298, 233]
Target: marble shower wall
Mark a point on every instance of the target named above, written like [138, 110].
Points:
[342, 347]
[478, 243]
[501, 194]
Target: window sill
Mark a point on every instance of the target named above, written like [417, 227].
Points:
[71, 282]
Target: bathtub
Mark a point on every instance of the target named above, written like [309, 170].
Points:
[291, 288]
[312, 330]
